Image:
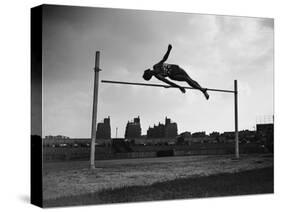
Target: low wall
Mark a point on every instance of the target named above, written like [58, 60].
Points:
[105, 153]
[64, 154]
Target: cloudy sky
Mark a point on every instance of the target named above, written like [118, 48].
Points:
[214, 50]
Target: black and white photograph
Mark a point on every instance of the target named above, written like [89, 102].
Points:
[141, 105]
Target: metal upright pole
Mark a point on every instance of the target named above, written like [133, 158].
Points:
[95, 107]
[236, 120]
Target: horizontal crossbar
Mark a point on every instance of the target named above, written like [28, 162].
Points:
[161, 85]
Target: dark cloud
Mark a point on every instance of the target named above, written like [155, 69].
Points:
[267, 22]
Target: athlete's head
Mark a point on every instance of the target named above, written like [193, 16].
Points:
[147, 74]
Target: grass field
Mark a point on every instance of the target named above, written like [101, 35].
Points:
[156, 179]
[258, 181]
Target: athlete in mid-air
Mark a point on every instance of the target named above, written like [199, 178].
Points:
[163, 70]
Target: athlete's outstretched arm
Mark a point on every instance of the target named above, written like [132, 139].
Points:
[163, 79]
[167, 54]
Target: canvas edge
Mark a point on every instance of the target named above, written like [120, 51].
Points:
[36, 181]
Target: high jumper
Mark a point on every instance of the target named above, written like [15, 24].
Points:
[162, 70]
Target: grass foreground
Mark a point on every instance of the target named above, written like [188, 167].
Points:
[257, 181]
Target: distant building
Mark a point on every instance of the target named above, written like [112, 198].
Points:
[214, 137]
[247, 136]
[229, 135]
[58, 140]
[265, 134]
[171, 129]
[103, 129]
[184, 138]
[215, 134]
[198, 137]
[157, 131]
[167, 130]
[186, 134]
[199, 134]
[59, 137]
[133, 129]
